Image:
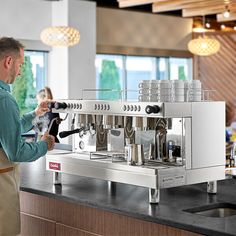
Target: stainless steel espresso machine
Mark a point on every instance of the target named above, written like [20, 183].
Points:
[151, 144]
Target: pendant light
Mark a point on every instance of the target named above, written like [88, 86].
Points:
[60, 36]
[203, 46]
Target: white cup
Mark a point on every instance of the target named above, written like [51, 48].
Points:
[179, 98]
[143, 98]
[164, 98]
[144, 91]
[152, 98]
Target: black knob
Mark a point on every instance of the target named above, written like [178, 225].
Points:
[152, 109]
[60, 105]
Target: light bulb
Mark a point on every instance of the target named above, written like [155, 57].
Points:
[226, 14]
[222, 27]
[208, 25]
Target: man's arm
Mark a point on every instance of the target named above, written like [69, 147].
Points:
[14, 146]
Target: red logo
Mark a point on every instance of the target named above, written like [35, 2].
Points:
[54, 166]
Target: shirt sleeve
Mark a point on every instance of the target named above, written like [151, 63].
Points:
[14, 146]
[26, 121]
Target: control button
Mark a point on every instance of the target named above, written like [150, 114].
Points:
[152, 109]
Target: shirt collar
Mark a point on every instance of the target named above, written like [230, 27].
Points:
[5, 86]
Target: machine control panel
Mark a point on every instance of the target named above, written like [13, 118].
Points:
[124, 108]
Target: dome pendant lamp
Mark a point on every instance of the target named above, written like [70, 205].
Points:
[204, 46]
[63, 36]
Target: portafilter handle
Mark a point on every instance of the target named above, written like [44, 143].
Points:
[64, 134]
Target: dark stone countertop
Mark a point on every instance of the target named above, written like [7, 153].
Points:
[133, 201]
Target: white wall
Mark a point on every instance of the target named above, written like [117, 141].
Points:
[24, 19]
[72, 69]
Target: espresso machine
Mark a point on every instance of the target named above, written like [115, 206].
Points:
[150, 144]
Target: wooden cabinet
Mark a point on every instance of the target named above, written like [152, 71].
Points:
[44, 216]
[31, 225]
[63, 230]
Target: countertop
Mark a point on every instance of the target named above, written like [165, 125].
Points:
[133, 201]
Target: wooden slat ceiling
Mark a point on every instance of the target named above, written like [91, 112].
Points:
[190, 8]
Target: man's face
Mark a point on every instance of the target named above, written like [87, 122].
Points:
[15, 69]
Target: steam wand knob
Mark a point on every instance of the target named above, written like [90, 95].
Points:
[60, 105]
[152, 109]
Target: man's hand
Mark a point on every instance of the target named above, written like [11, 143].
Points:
[50, 140]
[42, 108]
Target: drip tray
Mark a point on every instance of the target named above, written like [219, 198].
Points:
[219, 210]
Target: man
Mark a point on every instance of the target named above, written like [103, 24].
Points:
[13, 148]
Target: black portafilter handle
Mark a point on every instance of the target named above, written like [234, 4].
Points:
[64, 134]
[51, 105]
[60, 105]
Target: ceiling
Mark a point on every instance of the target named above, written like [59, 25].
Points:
[212, 10]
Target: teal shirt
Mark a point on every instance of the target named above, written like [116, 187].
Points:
[11, 128]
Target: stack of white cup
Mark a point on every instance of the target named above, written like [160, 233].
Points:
[193, 91]
[148, 90]
[170, 91]
[177, 90]
[164, 92]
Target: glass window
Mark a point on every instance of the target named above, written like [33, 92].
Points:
[138, 69]
[31, 80]
[109, 77]
[116, 72]
[180, 68]
[162, 68]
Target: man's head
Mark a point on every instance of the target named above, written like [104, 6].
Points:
[11, 59]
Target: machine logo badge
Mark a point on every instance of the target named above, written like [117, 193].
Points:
[54, 166]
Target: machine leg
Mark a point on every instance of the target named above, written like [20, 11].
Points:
[154, 195]
[212, 187]
[56, 178]
[111, 186]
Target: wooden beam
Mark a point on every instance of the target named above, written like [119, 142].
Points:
[204, 11]
[131, 3]
[176, 5]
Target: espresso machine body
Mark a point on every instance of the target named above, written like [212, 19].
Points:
[181, 143]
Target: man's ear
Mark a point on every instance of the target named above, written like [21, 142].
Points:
[8, 62]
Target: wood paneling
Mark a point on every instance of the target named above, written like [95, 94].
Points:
[78, 216]
[218, 72]
[38, 205]
[63, 230]
[77, 220]
[35, 226]
[118, 225]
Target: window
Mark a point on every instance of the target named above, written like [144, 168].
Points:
[31, 80]
[116, 73]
